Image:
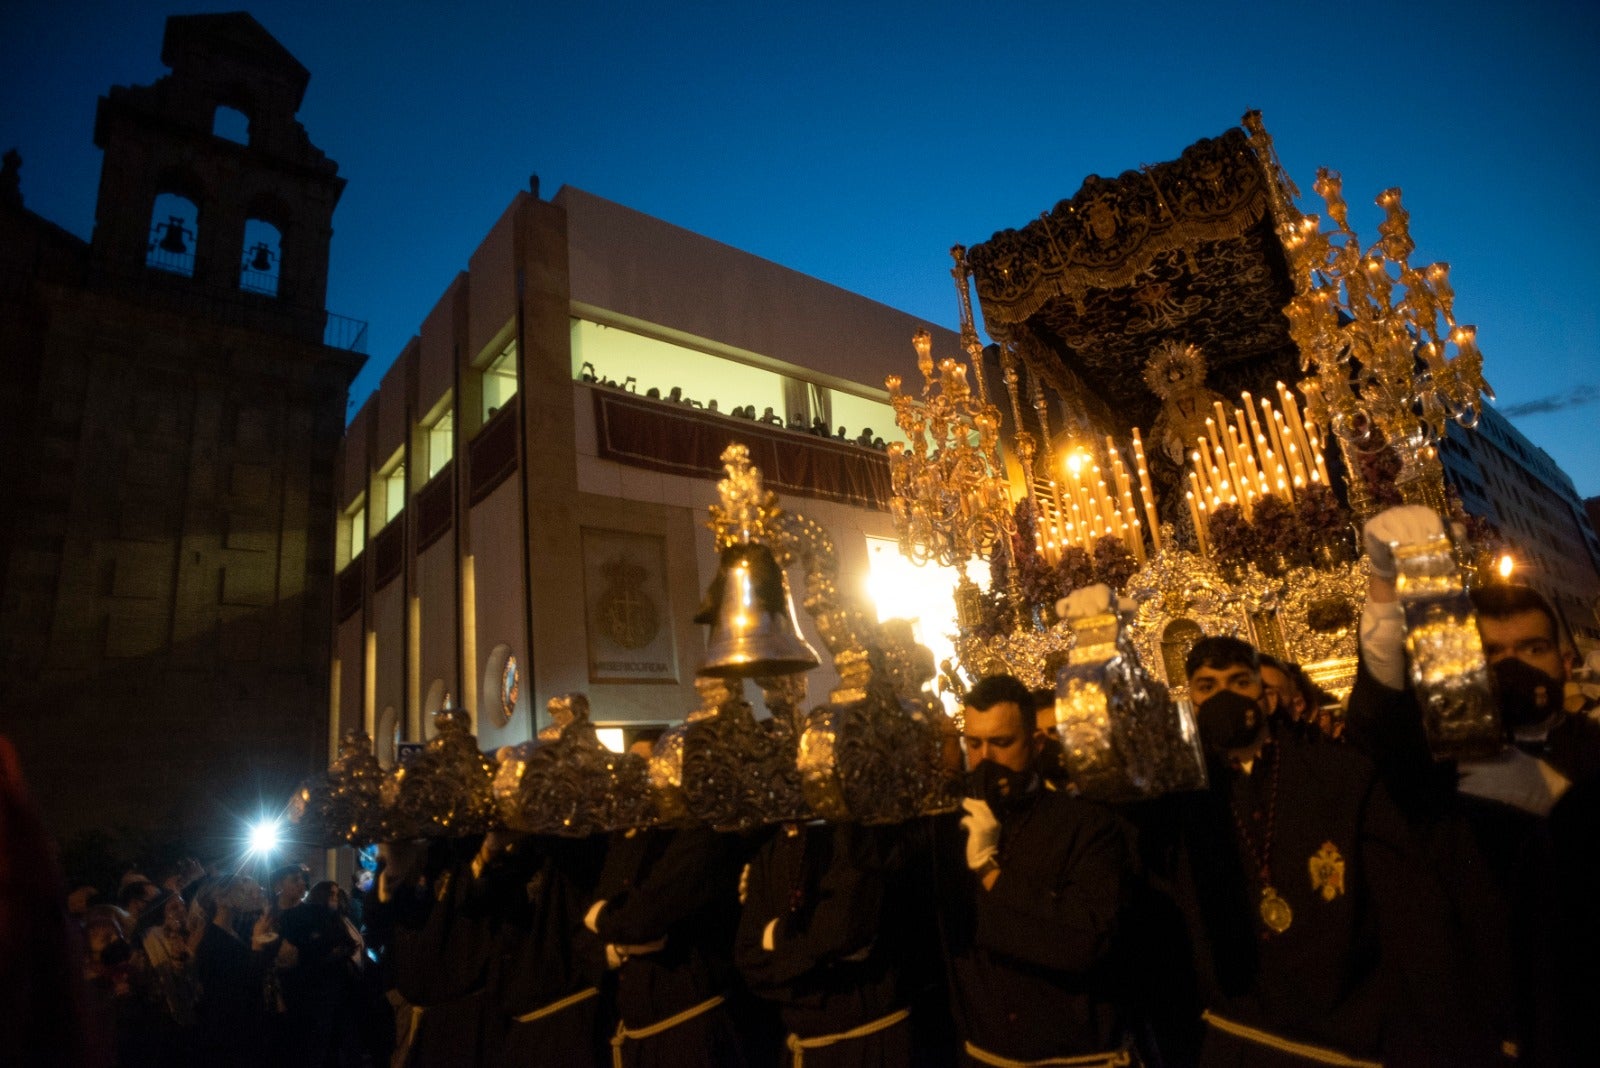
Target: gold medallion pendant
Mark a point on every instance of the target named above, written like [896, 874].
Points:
[1275, 912]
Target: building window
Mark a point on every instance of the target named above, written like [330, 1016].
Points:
[355, 532]
[441, 442]
[231, 124]
[263, 245]
[394, 491]
[510, 689]
[174, 228]
[651, 367]
[502, 692]
[500, 381]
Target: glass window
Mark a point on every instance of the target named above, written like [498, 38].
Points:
[499, 381]
[357, 519]
[616, 357]
[394, 492]
[441, 442]
[510, 689]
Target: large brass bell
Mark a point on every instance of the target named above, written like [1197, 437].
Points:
[754, 631]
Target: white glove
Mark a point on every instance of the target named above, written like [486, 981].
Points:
[1090, 601]
[1383, 642]
[769, 935]
[983, 833]
[591, 918]
[1405, 524]
[744, 883]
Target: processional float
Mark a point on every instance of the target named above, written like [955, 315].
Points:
[1207, 392]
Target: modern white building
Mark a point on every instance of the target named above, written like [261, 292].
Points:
[512, 528]
[1509, 480]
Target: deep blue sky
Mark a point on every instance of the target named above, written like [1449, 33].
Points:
[858, 141]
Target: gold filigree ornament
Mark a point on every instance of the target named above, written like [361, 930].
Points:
[447, 791]
[568, 783]
[1124, 738]
[871, 754]
[341, 805]
[737, 773]
[1031, 655]
[1180, 597]
[1390, 365]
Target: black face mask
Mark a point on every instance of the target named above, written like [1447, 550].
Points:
[1527, 695]
[1228, 721]
[1000, 787]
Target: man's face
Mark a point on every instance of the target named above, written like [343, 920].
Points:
[1526, 636]
[1239, 678]
[998, 734]
[1278, 689]
[292, 887]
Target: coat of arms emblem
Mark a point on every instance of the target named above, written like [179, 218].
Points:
[1327, 871]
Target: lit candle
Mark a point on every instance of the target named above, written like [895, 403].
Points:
[1145, 492]
[1291, 450]
[1273, 429]
[1194, 517]
[1291, 409]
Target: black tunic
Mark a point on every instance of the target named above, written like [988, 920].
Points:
[545, 954]
[440, 950]
[231, 1014]
[1366, 966]
[1499, 872]
[838, 941]
[1030, 959]
[680, 885]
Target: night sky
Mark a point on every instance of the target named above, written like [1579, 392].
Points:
[857, 142]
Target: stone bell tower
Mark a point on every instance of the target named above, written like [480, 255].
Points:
[165, 583]
[162, 139]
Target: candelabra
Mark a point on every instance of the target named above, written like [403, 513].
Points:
[951, 498]
[1377, 335]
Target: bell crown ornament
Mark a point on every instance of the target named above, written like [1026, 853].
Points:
[341, 805]
[447, 791]
[567, 783]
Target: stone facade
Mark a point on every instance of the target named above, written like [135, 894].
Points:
[166, 572]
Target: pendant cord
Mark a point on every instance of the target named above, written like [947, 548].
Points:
[1262, 858]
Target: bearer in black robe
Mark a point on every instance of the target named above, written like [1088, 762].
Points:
[548, 968]
[1030, 899]
[1318, 935]
[440, 945]
[1492, 827]
[666, 908]
[822, 936]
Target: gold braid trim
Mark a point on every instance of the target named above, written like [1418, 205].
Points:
[1319, 1054]
[798, 1046]
[624, 1033]
[1116, 1058]
[556, 1006]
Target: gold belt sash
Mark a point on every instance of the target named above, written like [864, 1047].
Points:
[1318, 1054]
[624, 1032]
[556, 1006]
[408, 1023]
[798, 1046]
[1117, 1058]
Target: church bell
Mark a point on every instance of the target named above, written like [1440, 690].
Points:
[754, 631]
